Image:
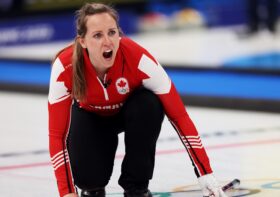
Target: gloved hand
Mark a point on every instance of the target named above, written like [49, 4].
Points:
[210, 186]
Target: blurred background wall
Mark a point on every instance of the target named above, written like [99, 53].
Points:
[53, 19]
[205, 46]
[45, 21]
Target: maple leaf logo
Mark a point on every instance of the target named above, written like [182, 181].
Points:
[122, 84]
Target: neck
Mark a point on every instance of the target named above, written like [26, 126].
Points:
[101, 76]
[100, 71]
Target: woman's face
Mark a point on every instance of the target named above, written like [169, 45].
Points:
[101, 40]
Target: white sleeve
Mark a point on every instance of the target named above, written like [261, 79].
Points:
[158, 80]
[57, 90]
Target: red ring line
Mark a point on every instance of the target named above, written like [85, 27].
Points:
[160, 152]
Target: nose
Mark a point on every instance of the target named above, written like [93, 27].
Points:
[107, 39]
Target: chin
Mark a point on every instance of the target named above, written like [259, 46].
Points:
[109, 65]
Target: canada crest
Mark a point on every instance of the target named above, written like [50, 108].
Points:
[122, 85]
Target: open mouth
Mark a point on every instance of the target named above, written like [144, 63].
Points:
[108, 54]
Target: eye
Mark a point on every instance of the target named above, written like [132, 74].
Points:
[97, 35]
[112, 33]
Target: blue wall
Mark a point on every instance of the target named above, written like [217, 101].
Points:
[48, 28]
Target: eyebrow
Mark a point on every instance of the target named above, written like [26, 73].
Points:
[94, 32]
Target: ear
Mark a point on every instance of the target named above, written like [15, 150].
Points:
[82, 42]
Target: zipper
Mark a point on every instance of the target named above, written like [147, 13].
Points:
[103, 87]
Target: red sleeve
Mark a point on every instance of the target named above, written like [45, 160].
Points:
[179, 118]
[155, 79]
[59, 105]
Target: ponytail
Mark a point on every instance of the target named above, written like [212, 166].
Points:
[79, 81]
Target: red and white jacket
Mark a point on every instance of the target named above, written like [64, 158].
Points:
[133, 67]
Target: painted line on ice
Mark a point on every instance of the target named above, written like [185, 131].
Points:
[159, 152]
[272, 185]
[215, 134]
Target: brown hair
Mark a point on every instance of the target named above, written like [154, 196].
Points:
[79, 81]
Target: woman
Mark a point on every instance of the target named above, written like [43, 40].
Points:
[100, 86]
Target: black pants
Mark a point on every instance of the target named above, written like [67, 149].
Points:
[93, 140]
